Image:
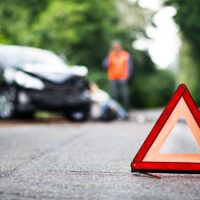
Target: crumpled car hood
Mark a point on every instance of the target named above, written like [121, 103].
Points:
[55, 74]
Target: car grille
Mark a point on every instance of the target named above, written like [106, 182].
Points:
[59, 95]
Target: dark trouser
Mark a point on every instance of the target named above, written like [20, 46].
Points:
[120, 86]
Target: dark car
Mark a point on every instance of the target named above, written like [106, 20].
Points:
[33, 79]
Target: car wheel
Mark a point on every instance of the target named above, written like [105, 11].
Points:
[77, 115]
[7, 103]
[26, 115]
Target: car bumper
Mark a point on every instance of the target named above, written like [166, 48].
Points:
[32, 100]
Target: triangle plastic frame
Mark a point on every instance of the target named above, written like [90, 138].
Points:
[139, 165]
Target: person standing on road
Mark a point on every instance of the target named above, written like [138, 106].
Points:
[119, 67]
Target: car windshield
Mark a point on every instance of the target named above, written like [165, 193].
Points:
[18, 57]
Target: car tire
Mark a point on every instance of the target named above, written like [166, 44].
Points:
[77, 115]
[7, 103]
[25, 115]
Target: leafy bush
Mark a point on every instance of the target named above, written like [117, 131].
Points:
[152, 90]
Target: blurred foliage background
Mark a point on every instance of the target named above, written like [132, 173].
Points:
[81, 30]
[187, 17]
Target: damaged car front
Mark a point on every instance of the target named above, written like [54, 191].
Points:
[33, 79]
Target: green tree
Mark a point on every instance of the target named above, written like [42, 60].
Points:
[79, 29]
[16, 18]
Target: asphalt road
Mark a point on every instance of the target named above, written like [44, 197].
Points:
[62, 160]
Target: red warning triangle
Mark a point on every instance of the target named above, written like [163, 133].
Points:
[149, 158]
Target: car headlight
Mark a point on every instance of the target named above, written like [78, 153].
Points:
[79, 70]
[27, 81]
[9, 75]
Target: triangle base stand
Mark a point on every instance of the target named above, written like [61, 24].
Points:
[146, 174]
[163, 167]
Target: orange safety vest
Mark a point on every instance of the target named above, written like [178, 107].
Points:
[118, 65]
